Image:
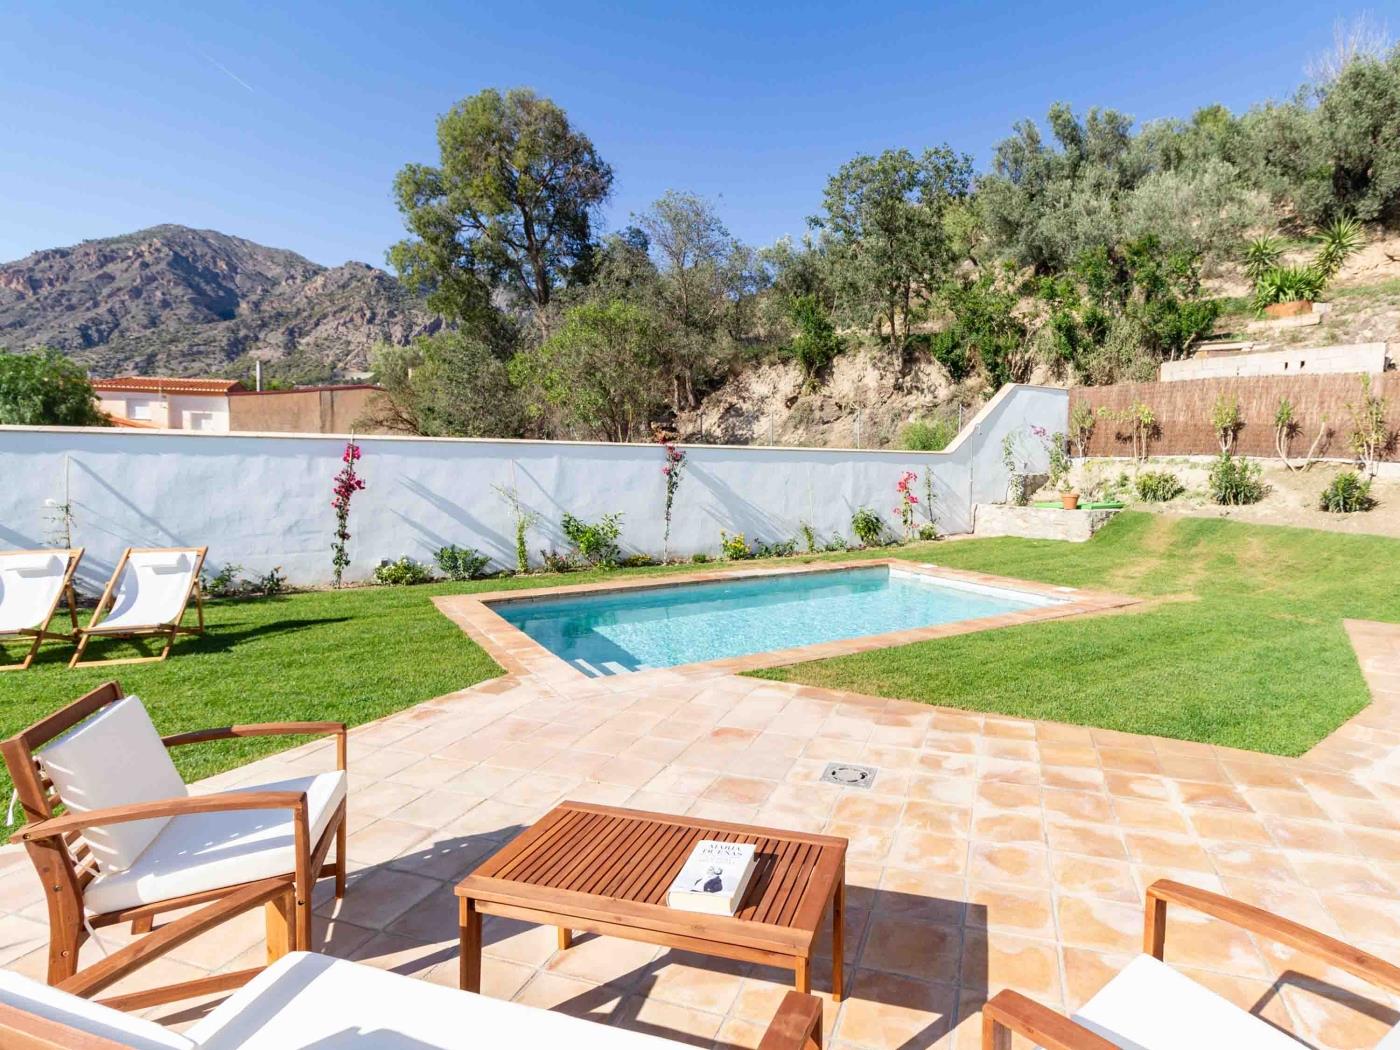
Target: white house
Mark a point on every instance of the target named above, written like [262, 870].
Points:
[167, 404]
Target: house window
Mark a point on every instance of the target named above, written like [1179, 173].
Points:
[140, 410]
[200, 420]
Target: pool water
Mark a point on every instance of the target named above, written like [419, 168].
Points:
[621, 631]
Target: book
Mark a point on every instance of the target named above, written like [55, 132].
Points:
[713, 878]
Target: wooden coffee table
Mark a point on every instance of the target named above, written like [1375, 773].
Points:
[606, 870]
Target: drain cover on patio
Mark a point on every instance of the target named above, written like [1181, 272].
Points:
[849, 775]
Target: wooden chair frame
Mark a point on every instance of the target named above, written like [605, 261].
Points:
[1010, 1012]
[42, 632]
[168, 630]
[66, 866]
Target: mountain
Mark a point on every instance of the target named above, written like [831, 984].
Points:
[175, 301]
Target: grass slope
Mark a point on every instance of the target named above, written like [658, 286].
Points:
[1242, 646]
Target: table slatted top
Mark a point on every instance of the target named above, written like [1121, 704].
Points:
[623, 862]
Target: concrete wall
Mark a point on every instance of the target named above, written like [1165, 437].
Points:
[264, 500]
[1323, 360]
[318, 410]
[1183, 412]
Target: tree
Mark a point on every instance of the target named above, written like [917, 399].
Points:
[46, 389]
[601, 370]
[450, 384]
[886, 238]
[707, 280]
[509, 206]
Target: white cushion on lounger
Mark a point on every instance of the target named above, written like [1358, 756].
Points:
[86, 1016]
[29, 586]
[1150, 1006]
[153, 590]
[206, 851]
[114, 758]
[330, 1004]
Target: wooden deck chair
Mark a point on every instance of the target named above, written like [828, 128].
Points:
[32, 583]
[148, 594]
[1150, 1006]
[135, 844]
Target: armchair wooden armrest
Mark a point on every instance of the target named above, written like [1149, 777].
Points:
[1354, 961]
[204, 736]
[166, 807]
[1011, 1012]
[796, 1026]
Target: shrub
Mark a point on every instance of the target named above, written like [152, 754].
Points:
[928, 531]
[868, 527]
[224, 583]
[1158, 486]
[816, 343]
[699, 558]
[1287, 284]
[836, 544]
[735, 548]
[1235, 482]
[1226, 421]
[553, 561]
[271, 583]
[1369, 435]
[636, 561]
[401, 573]
[781, 549]
[595, 542]
[928, 435]
[1347, 494]
[809, 537]
[1081, 427]
[459, 563]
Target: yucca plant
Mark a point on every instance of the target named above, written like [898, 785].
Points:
[1261, 255]
[1340, 239]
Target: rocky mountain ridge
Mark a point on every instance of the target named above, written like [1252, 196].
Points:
[177, 301]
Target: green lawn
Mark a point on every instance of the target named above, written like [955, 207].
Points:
[1242, 645]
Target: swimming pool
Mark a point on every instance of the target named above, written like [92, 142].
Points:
[613, 632]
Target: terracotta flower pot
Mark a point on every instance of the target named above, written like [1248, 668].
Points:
[1290, 309]
[1069, 500]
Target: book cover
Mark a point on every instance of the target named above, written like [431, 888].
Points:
[713, 878]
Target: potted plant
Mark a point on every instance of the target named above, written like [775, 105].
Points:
[1069, 496]
[1289, 291]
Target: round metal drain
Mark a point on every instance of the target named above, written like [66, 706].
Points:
[849, 775]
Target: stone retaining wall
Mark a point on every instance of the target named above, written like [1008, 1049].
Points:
[1038, 523]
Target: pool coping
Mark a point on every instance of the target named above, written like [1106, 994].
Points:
[518, 653]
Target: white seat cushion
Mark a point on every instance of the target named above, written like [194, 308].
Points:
[315, 1001]
[1150, 1006]
[114, 758]
[86, 1016]
[206, 851]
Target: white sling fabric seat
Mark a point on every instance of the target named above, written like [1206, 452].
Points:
[153, 590]
[31, 583]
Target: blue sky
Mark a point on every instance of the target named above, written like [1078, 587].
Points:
[285, 123]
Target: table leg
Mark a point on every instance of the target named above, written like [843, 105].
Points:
[566, 938]
[838, 936]
[469, 978]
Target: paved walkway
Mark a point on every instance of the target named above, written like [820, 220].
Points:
[991, 852]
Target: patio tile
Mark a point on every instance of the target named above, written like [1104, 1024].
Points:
[1015, 865]
[889, 1010]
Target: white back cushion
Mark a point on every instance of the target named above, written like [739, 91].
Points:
[30, 583]
[88, 1017]
[153, 588]
[1391, 1040]
[113, 759]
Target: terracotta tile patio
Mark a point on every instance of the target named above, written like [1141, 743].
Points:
[990, 852]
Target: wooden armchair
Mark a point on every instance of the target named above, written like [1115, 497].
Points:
[134, 843]
[1149, 1006]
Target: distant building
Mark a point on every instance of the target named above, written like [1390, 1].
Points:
[168, 404]
[223, 406]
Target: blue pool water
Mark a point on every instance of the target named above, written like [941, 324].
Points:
[610, 633]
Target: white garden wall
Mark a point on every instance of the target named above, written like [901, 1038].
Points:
[264, 500]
